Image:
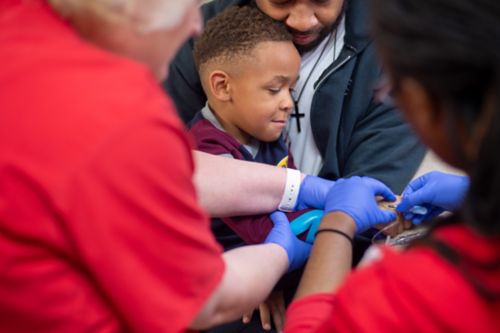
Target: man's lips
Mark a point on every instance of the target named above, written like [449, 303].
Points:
[303, 39]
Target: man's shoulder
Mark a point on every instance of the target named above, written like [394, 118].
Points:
[357, 24]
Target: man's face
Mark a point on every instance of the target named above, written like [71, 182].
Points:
[308, 20]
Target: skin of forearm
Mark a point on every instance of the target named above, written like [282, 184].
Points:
[250, 275]
[228, 187]
[331, 257]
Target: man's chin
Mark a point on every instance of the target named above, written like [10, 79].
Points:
[304, 48]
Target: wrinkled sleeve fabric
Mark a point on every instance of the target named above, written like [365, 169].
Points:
[137, 227]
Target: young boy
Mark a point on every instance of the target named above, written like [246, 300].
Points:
[248, 67]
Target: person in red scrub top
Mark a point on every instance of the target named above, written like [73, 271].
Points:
[100, 226]
[443, 58]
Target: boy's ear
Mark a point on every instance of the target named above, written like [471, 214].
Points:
[219, 85]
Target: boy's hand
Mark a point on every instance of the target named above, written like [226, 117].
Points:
[274, 306]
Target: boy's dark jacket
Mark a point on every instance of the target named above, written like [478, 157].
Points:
[355, 134]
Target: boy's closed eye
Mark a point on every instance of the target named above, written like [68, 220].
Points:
[279, 82]
[274, 90]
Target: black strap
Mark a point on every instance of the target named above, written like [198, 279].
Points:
[336, 231]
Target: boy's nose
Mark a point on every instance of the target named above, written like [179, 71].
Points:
[287, 104]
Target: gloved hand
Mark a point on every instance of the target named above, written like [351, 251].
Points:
[313, 191]
[356, 196]
[297, 251]
[437, 191]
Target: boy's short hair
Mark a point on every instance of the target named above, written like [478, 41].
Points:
[235, 32]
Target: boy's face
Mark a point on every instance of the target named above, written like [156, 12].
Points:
[261, 99]
[309, 21]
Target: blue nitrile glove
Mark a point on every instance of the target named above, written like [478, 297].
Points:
[297, 251]
[313, 191]
[355, 196]
[437, 191]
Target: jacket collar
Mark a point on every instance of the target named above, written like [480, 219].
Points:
[357, 22]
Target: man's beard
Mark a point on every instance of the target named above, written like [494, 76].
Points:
[322, 35]
[303, 48]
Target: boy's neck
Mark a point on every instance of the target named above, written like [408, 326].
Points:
[220, 112]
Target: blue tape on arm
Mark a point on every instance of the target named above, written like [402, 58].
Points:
[311, 235]
[304, 221]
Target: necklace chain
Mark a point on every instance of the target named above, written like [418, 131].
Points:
[296, 113]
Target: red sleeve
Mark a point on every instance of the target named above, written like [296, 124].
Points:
[362, 304]
[138, 229]
[308, 313]
[395, 295]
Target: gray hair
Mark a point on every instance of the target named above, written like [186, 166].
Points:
[145, 15]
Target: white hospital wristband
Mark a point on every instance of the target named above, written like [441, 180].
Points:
[291, 193]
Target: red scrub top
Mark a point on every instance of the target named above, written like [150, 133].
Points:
[413, 291]
[100, 228]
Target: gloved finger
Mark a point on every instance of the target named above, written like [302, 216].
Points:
[279, 218]
[412, 199]
[381, 189]
[416, 184]
[386, 217]
[408, 216]
[404, 205]
[418, 219]
[434, 211]
[301, 254]
[265, 316]
[341, 180]
[406, 191]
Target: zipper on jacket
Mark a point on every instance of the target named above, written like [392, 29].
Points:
[336, 65]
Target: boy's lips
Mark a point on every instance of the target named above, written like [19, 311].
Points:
[280, 123]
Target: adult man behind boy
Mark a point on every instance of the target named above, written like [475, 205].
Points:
[349, 132]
